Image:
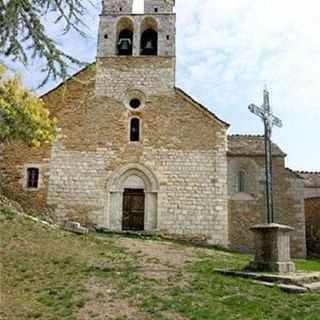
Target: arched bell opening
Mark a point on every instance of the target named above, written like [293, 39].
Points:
[125, 32]
[149, 37]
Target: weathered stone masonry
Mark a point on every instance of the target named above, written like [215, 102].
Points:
[312, 210]
[183, 161]
[248, 208]
[191, 170]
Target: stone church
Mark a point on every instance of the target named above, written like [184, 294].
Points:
[137, 153]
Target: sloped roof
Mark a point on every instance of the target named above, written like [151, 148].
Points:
[179, 91]
[68, 79]
[201, 107]
[311, 179]
[294, 174]
[250, 145]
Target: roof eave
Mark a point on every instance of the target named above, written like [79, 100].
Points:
[234, 154]
[201, 107]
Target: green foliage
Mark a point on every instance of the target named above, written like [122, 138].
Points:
[22, 29]
[7, 213]
[23, 116]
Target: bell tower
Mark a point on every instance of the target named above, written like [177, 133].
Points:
[136, 52]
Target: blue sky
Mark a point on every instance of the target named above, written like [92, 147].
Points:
[227, 51]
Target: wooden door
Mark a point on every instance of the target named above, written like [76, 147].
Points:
[133, 210]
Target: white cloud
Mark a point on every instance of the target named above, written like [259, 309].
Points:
[231, 48]
[273, 42]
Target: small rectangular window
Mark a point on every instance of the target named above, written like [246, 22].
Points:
[241, 181]
[135, 130]
[32, 178]
[156, 9]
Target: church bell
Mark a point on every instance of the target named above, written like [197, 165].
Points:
[149, 45]
[124, 46]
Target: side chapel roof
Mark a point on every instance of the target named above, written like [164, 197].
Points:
[250, 145]
[311, 179]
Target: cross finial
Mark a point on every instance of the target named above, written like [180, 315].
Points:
[264, 112]
[269, 120]
[266, 100]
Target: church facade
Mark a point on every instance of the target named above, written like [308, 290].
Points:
[136, 153]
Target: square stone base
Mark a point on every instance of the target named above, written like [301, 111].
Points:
[277, 267]
[272, 248]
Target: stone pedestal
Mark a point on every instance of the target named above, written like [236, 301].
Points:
[272, 248]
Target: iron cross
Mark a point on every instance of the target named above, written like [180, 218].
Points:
[265, 113]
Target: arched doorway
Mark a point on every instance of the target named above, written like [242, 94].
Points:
[133, 209]
[133, 199]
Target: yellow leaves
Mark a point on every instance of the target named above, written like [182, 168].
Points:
[2, 70]
[23, 116]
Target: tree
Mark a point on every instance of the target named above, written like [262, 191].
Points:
[23, 116]
[22, 29]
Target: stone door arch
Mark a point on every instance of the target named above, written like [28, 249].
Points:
[134, 176]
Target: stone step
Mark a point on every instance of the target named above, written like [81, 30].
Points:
[284, 287]
[313, 287]
[75, 227]
[308, 278]
[290, 279]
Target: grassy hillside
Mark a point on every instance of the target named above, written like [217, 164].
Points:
[51, 274]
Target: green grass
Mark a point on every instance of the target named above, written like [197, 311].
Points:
[214, 296]
[45, 272]
[310, 265]
[199, 293]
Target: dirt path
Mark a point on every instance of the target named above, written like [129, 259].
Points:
[103, 304]
[157, 260]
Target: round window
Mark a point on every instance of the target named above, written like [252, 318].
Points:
[134, 99]
[135, 103]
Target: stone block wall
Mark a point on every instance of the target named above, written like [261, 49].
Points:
[135, 73]
[77, 184]
[249, 208]
[182, 144]
[311, 184]
[13, 167]
[117, 6]
[191, 197]
[64, 103]
[312, 209]
[163, 6]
